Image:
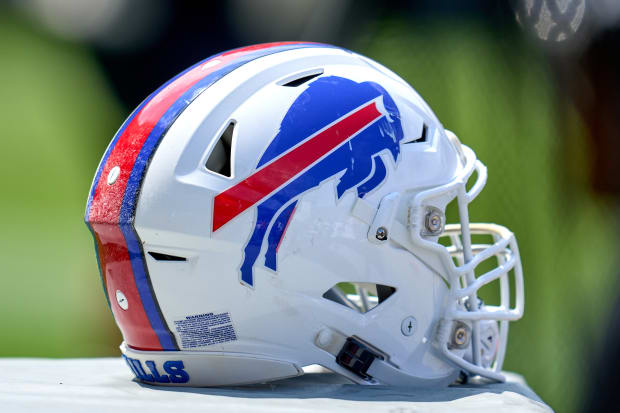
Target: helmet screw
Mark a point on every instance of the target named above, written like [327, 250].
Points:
[381, 234]
[460, 336]
[408, 326]
[434, 221]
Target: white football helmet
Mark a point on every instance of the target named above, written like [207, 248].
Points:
[283, 205]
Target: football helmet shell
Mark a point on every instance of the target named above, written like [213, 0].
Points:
[236, 200]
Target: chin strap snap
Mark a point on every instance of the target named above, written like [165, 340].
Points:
[357, 357]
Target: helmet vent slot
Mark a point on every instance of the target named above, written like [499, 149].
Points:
[423, 137]
[302, 79]
[359, 296]
[165, 257]
[220, 160]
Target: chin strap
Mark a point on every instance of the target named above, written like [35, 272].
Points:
[370, 365]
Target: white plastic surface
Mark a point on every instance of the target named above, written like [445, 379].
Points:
[279, 314]
[219, 369]
[323, 245]
[105, 385]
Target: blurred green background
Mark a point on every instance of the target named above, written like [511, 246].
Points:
[491, 78]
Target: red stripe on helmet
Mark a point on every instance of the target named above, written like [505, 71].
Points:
[104, 214]
[107, 199]
[236, 199]
[115, 267]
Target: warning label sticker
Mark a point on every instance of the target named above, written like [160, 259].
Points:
[205, 330]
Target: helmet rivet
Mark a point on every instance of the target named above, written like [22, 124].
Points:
[113, 175]
[381, 234]
[434, 221]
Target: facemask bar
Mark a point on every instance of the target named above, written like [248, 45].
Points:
[462, 303]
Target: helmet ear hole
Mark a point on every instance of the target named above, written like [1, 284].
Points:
[359, 296]
[220, 159]
[384, 292]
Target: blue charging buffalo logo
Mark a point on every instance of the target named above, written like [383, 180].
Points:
[335, 128]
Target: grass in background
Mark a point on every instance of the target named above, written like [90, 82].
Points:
[56, 114]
